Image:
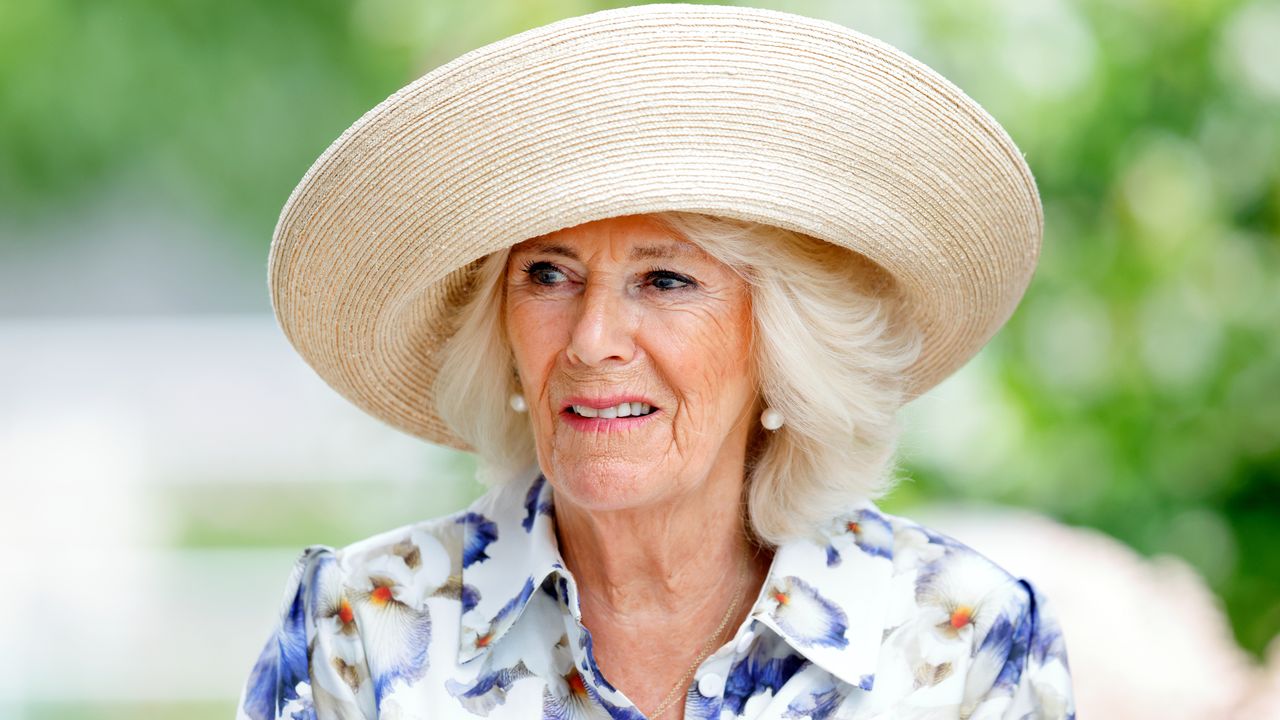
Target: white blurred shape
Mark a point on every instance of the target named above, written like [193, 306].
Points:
[71, 475]
[95, 415]
[148, 625]
[1262, 702]
[1248, 53]
[70, 469]
[209, 398]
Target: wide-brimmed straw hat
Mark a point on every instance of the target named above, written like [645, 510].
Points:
[739, 112]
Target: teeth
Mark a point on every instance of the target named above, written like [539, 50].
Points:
[620, 410]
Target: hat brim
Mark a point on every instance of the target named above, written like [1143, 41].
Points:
[740, 112]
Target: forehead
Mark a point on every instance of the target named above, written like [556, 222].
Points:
[633, 237]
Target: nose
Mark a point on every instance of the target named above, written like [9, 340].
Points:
[603, 330]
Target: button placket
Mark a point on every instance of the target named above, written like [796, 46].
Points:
[711, 684]
[713, 675]
[710, 678]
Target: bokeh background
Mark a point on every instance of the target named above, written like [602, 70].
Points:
[164, 455]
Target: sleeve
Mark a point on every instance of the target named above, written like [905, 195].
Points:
[284, 683]
[1020, 669]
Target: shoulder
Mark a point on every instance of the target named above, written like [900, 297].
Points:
[433, 546]
[943, 579]
[930, 560]
[403, 569]
[929, 556]
[405, 566]
[354, 619]
[956, 612]
[431, 551]
[322, 574]
[908, 582]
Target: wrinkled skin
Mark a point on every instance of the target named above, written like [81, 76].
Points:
[605, 323]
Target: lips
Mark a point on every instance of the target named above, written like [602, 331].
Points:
[621, 410]
[605, 402]
[605, 412]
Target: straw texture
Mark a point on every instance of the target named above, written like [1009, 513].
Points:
[747, 113]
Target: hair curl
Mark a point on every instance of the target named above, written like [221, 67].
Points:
[828, 348]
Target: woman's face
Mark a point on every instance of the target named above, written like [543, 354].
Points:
[619, 311]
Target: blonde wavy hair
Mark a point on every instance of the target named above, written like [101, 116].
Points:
[828, 348]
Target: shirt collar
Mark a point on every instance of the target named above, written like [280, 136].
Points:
[509, 549]
[827, 597]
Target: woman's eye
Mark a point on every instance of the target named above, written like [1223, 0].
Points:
[544, 273]
[666, 280]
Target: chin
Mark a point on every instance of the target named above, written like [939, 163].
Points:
[606, 485]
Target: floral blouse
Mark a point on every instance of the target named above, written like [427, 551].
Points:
[475, 615]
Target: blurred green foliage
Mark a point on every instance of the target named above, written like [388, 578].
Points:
[1138, 385]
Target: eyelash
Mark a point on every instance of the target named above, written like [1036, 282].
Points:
[531, 267]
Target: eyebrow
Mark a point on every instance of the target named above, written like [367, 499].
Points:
[642, 252]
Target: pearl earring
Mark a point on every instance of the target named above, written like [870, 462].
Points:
[771, 419]
[517, 402]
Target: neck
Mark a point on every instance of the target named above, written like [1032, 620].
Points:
[656, 583]
[669, 559]
[632, 561]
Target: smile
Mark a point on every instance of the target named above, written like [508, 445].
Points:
[621, 410]
[616, 413]
[607, 414]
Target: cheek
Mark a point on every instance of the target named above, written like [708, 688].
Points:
[532, 352]
[532, 329]
[709, 358]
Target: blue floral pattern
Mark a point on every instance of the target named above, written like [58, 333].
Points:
[474, 615]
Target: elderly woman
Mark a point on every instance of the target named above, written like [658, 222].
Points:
[669, 271]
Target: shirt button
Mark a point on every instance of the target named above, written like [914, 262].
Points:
[711, 685]
[744, 642]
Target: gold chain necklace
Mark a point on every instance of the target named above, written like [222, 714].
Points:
[704, 651]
